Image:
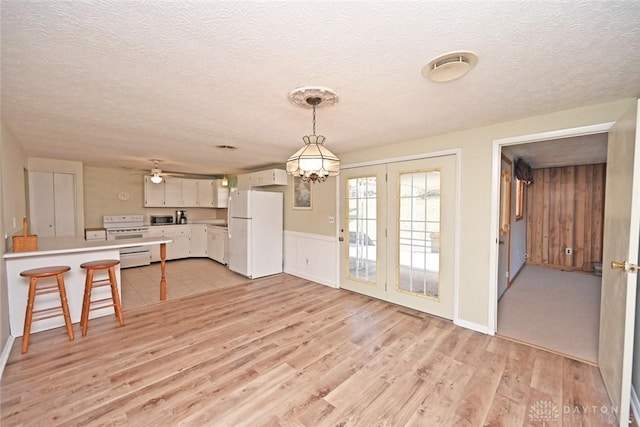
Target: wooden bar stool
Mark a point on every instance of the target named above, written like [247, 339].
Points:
[45, 313]
[114, 301]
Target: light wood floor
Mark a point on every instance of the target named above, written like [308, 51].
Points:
[282, 351]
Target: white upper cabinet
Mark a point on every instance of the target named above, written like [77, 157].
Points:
[153, 193]
[268, 177]
[205, 193]
[188, 193]
[220, 194]
[262, 178]
[173, 192]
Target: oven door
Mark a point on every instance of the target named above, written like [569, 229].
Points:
[134, 256]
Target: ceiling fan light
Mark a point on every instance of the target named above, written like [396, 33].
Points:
[156, 179]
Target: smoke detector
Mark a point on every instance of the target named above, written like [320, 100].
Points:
[450, 66]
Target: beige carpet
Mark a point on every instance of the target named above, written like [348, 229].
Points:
[554, 309]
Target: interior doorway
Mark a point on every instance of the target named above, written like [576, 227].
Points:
[552, 245]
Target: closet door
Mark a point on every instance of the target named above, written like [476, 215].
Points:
[64, 199]
[41, 204]
[52, 204]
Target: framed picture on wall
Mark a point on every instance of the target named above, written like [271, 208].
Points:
[302, 196]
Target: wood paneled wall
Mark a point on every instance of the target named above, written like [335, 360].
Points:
[565, 209]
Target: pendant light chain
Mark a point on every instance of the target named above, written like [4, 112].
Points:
[314, 120]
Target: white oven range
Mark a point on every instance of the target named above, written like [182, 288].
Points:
[128, 227]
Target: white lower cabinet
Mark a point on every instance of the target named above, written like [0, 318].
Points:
[217, 246]
[198, 244]
[181, 246]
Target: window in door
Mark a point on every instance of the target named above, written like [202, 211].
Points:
[362, 202]
[419, 233]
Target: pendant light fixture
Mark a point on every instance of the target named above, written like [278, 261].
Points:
[313, 162]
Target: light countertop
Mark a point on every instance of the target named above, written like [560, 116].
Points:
[75, 244]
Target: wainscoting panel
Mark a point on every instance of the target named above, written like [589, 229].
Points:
[565, 209]
[311, 256]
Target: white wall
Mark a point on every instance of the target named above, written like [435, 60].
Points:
[476, 186]
[13, 162]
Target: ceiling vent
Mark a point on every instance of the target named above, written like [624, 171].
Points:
[450, 66]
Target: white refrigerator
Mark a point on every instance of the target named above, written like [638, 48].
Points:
[255, 232]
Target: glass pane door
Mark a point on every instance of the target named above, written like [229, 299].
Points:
[363, 252]
[421, 234]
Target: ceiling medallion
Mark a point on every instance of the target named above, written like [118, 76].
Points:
[313, 162]
[450, 66]
[328, 97]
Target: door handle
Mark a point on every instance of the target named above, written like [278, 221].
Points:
[501, 242]
[341, 239]
[624, 265]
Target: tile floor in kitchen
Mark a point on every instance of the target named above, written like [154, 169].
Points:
[141, 285]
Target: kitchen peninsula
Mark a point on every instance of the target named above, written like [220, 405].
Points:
[71, 251]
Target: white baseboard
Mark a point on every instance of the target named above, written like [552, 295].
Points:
[635, 404]
[473, 326]
[5, 353]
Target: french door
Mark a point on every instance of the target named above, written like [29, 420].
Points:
[398, 233]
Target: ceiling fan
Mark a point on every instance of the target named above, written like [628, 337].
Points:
[157, 174]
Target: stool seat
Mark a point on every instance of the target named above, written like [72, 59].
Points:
[45, 313]
[45, 271]
[91, 283]
[100, 264]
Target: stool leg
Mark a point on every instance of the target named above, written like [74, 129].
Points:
[65, 306]
[86, 302]
[29, 314]
[115, 296]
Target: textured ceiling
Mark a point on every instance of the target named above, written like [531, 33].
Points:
[117, 83]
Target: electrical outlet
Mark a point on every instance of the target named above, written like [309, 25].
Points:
[568, 251]
[332, 220]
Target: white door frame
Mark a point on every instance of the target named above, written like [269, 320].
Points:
[495, 194]
[457, 152]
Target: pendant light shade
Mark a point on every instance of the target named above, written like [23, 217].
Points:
[313, 162]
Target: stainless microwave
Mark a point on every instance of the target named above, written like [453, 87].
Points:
[161, 219]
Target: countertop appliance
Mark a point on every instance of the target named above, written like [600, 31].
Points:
[128, 227]
[255, 232]
[161, 219]
[181, 217]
